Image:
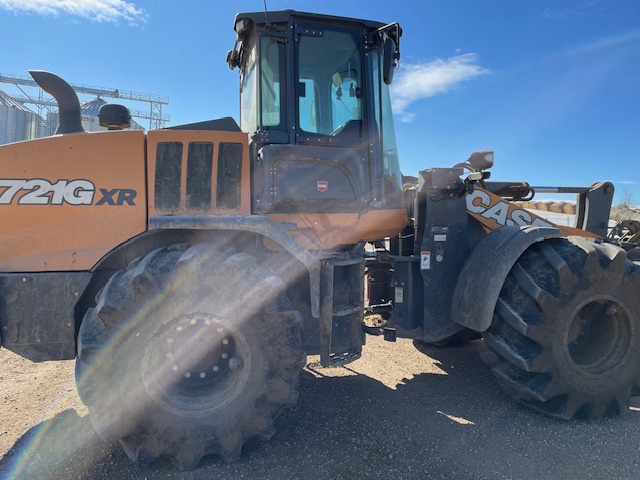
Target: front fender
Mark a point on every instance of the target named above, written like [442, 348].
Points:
[484, 273]
[275, 231]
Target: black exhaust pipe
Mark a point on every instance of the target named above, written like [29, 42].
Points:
[68, 103]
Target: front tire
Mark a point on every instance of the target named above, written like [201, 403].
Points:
[565, 338]
[189, 352]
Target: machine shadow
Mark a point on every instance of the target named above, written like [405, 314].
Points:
[65, 446]
[455, 423]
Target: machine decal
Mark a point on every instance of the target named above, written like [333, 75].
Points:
[425, 260]
[494, 212]
[124, 195]
[323, 186]
[39, 191]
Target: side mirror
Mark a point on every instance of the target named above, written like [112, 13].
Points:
[233, 58]
[388, 60]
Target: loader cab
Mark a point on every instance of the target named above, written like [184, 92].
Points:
[314, 100]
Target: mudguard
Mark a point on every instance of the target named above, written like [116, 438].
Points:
[484, 273]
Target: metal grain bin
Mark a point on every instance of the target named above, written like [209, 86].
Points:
[17, 122]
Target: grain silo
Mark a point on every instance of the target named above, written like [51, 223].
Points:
[17, 122]
[89, 117]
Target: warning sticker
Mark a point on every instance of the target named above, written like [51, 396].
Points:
[425, 260]
[399, 295]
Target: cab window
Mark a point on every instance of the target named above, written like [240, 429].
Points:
[329, 81]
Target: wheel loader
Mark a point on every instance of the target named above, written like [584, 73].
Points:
[189, 270]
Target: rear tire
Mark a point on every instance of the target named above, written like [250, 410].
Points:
[565, 338]
[189, 352]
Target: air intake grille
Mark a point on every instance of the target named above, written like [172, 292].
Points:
[199, 170]
[193, 188]
[229, 175]
[168, 175]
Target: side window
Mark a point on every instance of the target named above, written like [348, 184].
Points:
[384, 123]
[329, 79]
[271, 51]
[249, 95]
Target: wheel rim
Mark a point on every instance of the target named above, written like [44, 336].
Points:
[196, 365]
[599, 337]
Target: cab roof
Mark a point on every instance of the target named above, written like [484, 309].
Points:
[283, 16]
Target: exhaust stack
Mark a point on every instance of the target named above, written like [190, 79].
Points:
[68, 103]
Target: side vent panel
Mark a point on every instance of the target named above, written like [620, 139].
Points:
[229, 175]
[199, 171]
[168, 176]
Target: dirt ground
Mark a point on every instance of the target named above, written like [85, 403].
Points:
[399, 412]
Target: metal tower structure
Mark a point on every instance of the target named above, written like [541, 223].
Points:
[155, 116]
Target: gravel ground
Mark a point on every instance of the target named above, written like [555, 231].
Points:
[399, 412]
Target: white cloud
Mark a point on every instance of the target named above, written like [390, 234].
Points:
[94, 10]
[583, 10]
[428, 79]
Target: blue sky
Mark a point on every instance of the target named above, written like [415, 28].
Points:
[552, 86]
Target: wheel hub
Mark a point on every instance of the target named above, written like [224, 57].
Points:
[196, 365]
[599, 337]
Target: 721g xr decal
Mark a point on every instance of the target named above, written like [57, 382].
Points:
[39, 191]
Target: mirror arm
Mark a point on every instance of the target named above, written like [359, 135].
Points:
[393, 31]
